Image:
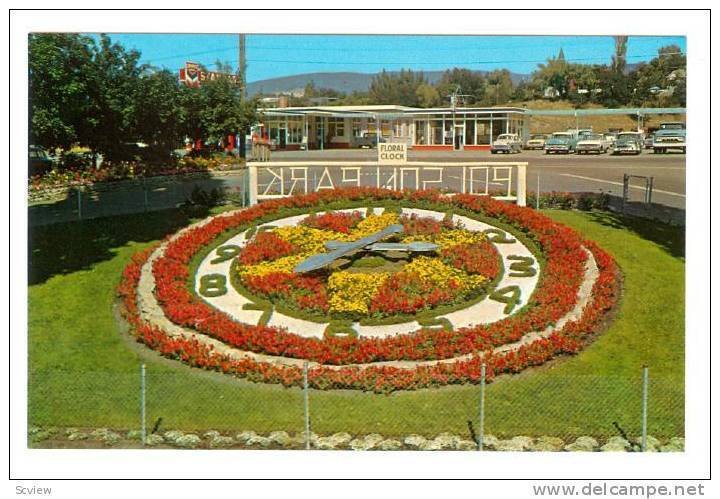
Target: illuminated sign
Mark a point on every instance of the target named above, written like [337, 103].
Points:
[192, 76]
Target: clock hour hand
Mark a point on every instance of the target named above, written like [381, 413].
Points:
[324, 259]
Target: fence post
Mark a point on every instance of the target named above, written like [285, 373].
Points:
[79, 194]
[143, 434]
[306, 398]
[145, 194]
[537, 194]
[522, 186]
[481, 426]
[644, 408]
[626, 181]
[252, 185]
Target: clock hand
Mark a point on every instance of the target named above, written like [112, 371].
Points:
[324, 259]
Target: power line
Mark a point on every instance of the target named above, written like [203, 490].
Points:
[444, 63]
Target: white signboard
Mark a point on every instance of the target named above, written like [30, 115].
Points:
[392, 153]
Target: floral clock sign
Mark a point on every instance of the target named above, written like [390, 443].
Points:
[373, 289]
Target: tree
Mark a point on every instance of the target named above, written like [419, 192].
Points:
[112, 79]
[396, 88]
[427, 96]
[618, 60]
[472, 85]
[553, 74]
[59, 100]
[499, 87]
[662, 81]
[215, 110]
[158, 116]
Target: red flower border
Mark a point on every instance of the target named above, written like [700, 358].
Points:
[559, 243]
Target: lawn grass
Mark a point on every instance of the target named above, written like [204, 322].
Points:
[85, 373]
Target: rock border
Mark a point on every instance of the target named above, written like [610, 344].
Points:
[282, 440]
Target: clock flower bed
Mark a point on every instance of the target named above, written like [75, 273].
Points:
[352, 362]
[356, 288]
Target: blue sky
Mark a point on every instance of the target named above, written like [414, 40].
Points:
[271, 56]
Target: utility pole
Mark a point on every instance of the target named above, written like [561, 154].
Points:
[454, 97]
[242, 64]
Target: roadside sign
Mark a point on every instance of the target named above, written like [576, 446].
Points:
[391, 153]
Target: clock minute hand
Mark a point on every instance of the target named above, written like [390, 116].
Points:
[324, 259]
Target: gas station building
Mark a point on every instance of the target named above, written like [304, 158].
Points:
[341, 127]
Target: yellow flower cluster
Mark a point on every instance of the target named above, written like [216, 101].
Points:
[352, 291]
[309, 239]
[373, 223]
[284, 264]
[449, 238]
[435, 271]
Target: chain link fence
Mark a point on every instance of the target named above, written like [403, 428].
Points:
[531, 406]
[140, 195]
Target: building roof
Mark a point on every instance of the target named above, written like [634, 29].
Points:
[384, 111]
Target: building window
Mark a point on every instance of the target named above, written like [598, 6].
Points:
[482, 132]
[336, 127]
[436, 132]
[421, 132]
[356, 127]
[469, 132]
[448, 132]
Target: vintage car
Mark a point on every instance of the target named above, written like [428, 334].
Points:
[536, 141]
[38, 161]
[669, 136]
[506, 143]
[611, 137]
[366, 141]
[648, 142]
[561, 142]
[592, 142]
[628, 143]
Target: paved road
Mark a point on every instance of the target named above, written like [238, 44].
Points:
[557, 172]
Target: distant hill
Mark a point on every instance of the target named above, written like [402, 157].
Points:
[346, 82]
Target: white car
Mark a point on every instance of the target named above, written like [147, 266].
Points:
[536, 141]
[592, 142]
[507, 143]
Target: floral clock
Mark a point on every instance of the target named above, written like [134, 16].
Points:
[373, 289]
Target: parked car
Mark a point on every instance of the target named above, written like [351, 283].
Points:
[628, 143]
[592, 142]
[536, 141]
[671, 135]
[506, 143]
[648, 141]
[38, 161]
[611, 137]
[561, 142]
[366, 141]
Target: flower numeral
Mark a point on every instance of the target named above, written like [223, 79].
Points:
[522, 266]
[498, 236]
[212, 285]
[509, 295]
[225, 253]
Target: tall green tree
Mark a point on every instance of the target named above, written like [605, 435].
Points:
[158, 115]
[59, 95]
[499, 87]
[112, 80]
[472, 85]
[396, 88]
[662, 81]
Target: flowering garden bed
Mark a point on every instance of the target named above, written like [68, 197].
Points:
[429, 356]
